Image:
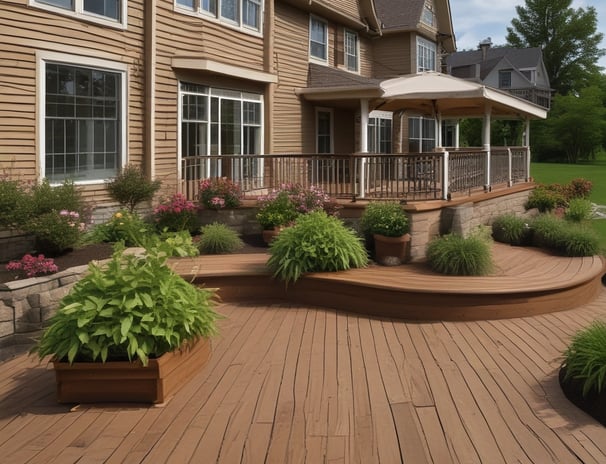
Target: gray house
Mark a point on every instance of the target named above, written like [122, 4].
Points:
[520, 72]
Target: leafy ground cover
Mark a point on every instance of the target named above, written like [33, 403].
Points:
[595, 171]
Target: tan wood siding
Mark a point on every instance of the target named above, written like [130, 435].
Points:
[25, 30]
[349, 8]
[392, 56]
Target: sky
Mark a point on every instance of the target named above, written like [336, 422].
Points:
[475, 20]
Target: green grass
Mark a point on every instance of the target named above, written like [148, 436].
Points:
[595, 171]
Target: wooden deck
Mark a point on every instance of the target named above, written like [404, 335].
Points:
[291, 383]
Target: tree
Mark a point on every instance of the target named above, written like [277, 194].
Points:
[567, 37]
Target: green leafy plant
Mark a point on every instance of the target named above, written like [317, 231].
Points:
[512, 229]
[15, 204]
[568, 238]
[548, 231]
[276, 210]
[56, 231]
[123, 226]
[130, 308]
[176, 213]
[384, 218]
[66, 196]
[546, 198]
[316, 242]
[131, 187]
[217, 238]
[579, 210]
[585, 358]
[219, 193]
[456, 255]
[180, 244]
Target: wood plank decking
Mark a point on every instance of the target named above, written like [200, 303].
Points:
[291, 383]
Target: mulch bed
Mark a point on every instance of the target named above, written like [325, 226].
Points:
[593, 403]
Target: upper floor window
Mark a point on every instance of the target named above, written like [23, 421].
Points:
[110, 12]
[318, 38]
[426, 55]
[505, 79]
[240, 13]
[351, 51]
[427, 17]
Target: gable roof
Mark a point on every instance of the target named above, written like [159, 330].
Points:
[520, 58]
[399, 14]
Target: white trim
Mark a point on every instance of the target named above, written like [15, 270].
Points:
[345, 61]
[198, 12]
[79, 13]
[431, 47]
[42, 58]
[203, 64]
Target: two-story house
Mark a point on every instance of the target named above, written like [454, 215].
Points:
[520, 72]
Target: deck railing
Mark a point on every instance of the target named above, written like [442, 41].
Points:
[408, 177]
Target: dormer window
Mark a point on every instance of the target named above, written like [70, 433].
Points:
[428, 17]
[505, 79]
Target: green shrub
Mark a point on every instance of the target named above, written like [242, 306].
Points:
[131, 187]
[585, 358]
[67, 196]
[219, 239]
[15, 204]
[512, 229]
[123, 226]
[276, 210]
[131, 308]
[56, 231]
[384, 218]
[579, 240]
[579, 210]
[315, 243]
[548, 231]
[455, 255]
[546, 198]
[178, 244]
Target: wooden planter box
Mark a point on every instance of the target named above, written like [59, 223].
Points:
[123, 381]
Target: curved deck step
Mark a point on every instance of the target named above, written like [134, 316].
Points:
[525, 281]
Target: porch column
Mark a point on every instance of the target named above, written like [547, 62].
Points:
[527, 145]
[439, 138]
[486, 143]
[457, 140]
[363, 145]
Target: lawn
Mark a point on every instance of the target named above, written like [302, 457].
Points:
[595, 171]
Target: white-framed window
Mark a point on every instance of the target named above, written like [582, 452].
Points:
[218, 124]
[111, 13]
[426, 55]
[421, 134]
[428, 16]
[318, 39]
[351, 50]
[505, 79]
[324, 130]
[243, 14]
[82, 110]
[379, 132]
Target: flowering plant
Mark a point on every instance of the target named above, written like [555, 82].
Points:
[32, 266]
[219, 192]
[175, 214]
[56, 231]
[122, 226]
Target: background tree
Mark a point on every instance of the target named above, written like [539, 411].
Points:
[568, 38]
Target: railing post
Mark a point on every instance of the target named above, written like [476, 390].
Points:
[488, 169]
[445, 181]
[509, 168]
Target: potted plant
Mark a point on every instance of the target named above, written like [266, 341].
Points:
[131, 330]
[276, 211]
[387, 224]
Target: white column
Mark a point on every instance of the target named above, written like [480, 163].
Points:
[527, 145]
[439, 137]
[363, 145]
[458, 134]
[486, 143]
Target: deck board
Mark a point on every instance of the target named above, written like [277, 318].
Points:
[296, 383]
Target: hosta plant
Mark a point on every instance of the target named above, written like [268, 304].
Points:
[130, 308]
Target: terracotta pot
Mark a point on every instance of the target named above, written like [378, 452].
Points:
[123, 381]
[392, 251]
[270, 234]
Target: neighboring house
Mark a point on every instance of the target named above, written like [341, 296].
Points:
[87, 87]
[520, 72]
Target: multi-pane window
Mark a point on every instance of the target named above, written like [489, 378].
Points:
[505, 79]
[379, 135]
[427, 17]
[104, 10]
[219, 123]
[324, 131]
[426, 55]
[82, 123]
[351, 50]
[318, 38]
[241, 13]
[421, 134]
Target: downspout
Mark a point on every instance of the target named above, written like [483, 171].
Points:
[149, 120]
[268, 66]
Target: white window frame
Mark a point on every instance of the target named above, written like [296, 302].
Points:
[428, 17]
[44, 57]
[313, 57]
[426, 50]
[216, 16]
[215, 92]
[505, 75]
[79, 13]
[347, 33]
[376, 121]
